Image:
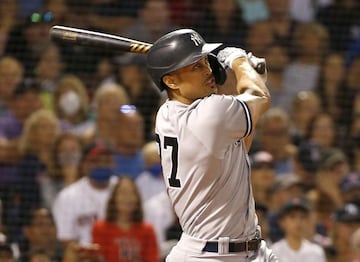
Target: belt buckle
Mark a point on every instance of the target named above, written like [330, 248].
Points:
[246, 246]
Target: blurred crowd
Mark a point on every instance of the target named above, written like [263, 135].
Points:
[80, 175]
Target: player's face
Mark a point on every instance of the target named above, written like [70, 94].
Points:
[193, 82]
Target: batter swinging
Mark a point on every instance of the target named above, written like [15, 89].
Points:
[203, 140]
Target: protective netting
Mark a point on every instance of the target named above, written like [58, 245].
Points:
[69, 112]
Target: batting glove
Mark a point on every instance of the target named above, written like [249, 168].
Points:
[227, 55]
[254, 61]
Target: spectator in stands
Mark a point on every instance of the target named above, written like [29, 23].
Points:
[150, 182]
[71, 105]
[277, 59]
[262, 176]
[285, 188]
[333, 91]
[322, 208]
[78, 205]
[259, 36]
[333, 167]
[353, 77]
[8, 20]
[274, 137]
[64, 167]
[354, 155]
[340, 18]
[132, 75]
[6, 253]
[39, 255]
[11, 74]
[346, 220]
[350, 187]
[36, 142]
[310, 44]
[107, 101]
[59, 8]
[307, 162]
[186, 13]
[25, 8]
[355, 244]
[24, 101]
[49, 69]
[104, 73]
[123, 235]
[281, 23]
[326, 195]
[353, 95]
[110, 15]
[351, 141]
[353, 51]
[294, 220]
[82, 253]
[321, 130]
[253, 11]
[149, 27]
[40, 236]
[27, 39]
[304, 11]
[79, 60]
[8, 11]
[223, 21]
[304, 107]
[129, 135]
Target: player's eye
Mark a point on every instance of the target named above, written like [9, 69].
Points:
[197, 65]
[201, 63]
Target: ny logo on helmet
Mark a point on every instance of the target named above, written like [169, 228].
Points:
[196, 39]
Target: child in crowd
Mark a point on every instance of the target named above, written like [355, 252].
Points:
[123, 236]
[294, 247]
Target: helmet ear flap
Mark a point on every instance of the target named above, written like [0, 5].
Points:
[218, 70]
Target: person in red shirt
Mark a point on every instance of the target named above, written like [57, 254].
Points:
[123, 236]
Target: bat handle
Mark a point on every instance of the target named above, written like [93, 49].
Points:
[259, 64]
[260, 68]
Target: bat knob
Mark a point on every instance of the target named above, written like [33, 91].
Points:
[260, 68]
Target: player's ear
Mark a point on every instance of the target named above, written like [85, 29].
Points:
[170, 81]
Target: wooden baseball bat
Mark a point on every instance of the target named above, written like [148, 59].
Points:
[76, 36]
[70, 35]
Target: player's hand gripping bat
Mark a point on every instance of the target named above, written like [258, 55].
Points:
[70, 35]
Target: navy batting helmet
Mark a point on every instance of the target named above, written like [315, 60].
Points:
[178, 49]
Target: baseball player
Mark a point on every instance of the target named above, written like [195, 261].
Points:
[203, 140]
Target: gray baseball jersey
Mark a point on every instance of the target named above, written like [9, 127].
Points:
[206, 166]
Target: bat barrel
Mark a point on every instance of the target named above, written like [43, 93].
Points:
[87, 38]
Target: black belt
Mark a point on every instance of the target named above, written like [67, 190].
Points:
[234, 247]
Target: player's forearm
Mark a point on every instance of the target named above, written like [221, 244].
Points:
[248, 80]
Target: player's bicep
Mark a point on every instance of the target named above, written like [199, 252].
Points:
[230, 117]
[220, 121]
[256, 106]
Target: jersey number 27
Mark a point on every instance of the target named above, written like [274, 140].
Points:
[173, 143]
